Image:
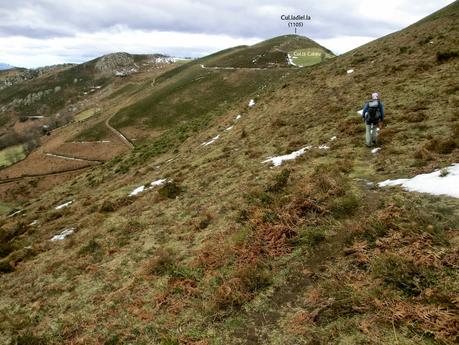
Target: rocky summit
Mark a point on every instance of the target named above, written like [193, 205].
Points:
[116, 62]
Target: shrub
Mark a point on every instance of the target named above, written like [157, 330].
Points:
[422, 154]
[443, 146]
[352, 126]
[53, 215]
[5, 249]
[327, 179]
[5, 267]
[114, 340]
[375, 229]
[345, 205]
[107, 206]
[161, 263]
[204, 222]
[415, 117]
[403, 50]
[446, 55]
[403, 273]
[122, 168]
[170, 341]
[170, 190]
[280, 181]
[358, 60]
[18, 229]
[314, 236]
[28, 339]
[5, 236]
[91, 247]
[456, 130]
[259, 197]
[243, 216]
[241, 286]
[425, 40]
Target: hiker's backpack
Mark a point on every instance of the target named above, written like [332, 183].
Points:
[373, 115]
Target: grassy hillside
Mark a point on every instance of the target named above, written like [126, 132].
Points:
[196, 92]
[71, 83]
[233, 251]
[193, 93]
[268, 53]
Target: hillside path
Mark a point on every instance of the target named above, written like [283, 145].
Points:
[23, 177]
[72, 158]
[245, 68]
[118, 133]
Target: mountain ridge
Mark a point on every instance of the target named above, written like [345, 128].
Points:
[5, 66]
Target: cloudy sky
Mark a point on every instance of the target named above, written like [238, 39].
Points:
[42, 32]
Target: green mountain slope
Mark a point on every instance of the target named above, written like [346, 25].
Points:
[198, 90]
[47, 90]
[268, 53]
[231, 250]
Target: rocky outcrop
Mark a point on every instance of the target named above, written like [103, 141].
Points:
[35, 96]
[19, 75]
[119, 64]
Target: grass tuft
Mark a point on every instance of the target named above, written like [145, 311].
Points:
[170, 190]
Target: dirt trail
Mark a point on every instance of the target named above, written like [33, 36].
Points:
[246, 68]
[252, 332]
[19, 178]
[118, 133]
[72, 158]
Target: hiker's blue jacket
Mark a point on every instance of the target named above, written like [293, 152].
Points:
[381, 110]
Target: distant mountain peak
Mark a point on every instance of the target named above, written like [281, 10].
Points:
[4, 66]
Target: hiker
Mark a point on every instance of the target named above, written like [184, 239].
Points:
[373, 115]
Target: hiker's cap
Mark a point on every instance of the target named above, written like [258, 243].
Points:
[375, 95]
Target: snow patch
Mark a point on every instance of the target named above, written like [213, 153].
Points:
[143, 188]
[360, 112]
[138, 190]
[324, 147]
[290, 60]
[15, 213]
[349, 71]
[333, 138]
[63, 234]
[277, 161]
[229, 128]
[59, 207]
[238, 117]
[211, 141]
[35, 222]
[376, 150]
[432, 183]
[251, 103]
[164, 60]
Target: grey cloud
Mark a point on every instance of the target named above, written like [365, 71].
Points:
[28, 31]
[240, 20]
[236, 18]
